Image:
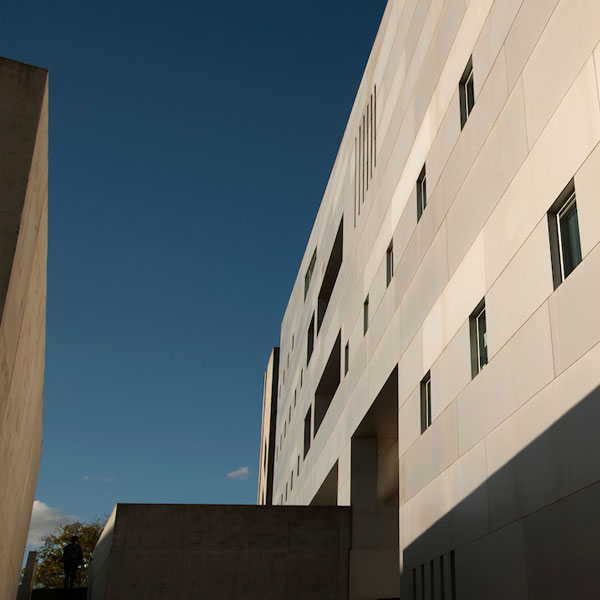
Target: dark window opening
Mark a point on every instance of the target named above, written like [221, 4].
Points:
[565, 243]
[478, 331]
[310, 341]
[426, 402]
[309, 272]
[331, 272]
[366, 315]
[421, 193]
[328, 385]
[307, 436]
[346, 358]
[467, 93]
[389, 264]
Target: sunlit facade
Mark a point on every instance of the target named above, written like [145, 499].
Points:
[439, 361]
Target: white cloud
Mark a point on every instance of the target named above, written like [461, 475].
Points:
[44, 520]
[242, 474]
[98, 478]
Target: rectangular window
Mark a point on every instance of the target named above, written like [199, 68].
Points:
[389, 263]
[346, 357]
[310, 340]
[307, 423]
[298, 467]
[421, 193]
[292, 481]
[478, 330]
[565, 244]
[426, 402]
[295, 394]
[301, 377]
[466, 91]
[309, 272]
[366, 315]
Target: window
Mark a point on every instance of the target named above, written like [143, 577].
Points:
[310, 341]
[426, 402]
[366, 315]
[479, 354]
[328, 384]
[565, 245]
[467, 93]
[298, 467]
[424, 582]
[346, 357]
[292, 481]
[421, 193]
[301, 377]
[389, 264]
[307, 423]
[295, 398]
[290, 413]
[292, 342]
[286, 489]
[309, 272]
[331, 272]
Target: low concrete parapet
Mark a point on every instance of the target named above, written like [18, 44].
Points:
[163, 552]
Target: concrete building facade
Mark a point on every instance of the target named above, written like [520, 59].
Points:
[23, 249]
[439, 363]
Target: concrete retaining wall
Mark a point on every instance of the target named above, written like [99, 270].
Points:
[162, 552]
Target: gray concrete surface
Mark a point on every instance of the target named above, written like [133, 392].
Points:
[171, 551]
[28, 580]
[23, 249]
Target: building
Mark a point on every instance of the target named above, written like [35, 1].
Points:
[267, 435]
[439, 360]
[23, 248]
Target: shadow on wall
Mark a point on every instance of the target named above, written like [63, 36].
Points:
[531, 530]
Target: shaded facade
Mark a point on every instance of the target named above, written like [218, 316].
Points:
[23, 250]
[439, 355]
[154, 551]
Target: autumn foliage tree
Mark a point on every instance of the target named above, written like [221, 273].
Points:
[50, 572]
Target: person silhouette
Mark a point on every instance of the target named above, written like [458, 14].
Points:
[72, 558]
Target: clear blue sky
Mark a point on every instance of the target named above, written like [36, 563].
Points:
[190, 145]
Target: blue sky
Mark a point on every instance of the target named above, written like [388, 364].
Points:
[190, 145]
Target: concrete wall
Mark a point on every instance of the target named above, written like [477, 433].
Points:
[167, 552]
[484, 233]
[23, 248]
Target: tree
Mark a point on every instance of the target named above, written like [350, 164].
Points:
[50, 573]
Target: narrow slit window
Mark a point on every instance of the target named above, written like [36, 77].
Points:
[466, 93]
[421, 193]
[426, 402]
[310, 339]
[389, 263]
[346, 358]
[366, 315]
[307, 432]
